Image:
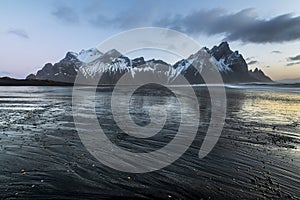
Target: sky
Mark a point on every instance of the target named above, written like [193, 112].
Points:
[33, 33]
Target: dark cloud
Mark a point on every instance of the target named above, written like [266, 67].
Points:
[93, 7]
[291, 64]
[276, 52]
[294, 58]
[66, 14]
[249, 58]
[137, 16]
[18, 32]
[252, 62]
[243, 26]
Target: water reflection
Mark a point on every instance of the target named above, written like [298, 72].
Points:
[271, 107]
[272, 116]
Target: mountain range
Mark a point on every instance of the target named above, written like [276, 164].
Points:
[112, 65]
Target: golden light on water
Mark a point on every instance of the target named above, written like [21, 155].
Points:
[271, 107]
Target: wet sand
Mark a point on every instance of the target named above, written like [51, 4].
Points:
[257, 156]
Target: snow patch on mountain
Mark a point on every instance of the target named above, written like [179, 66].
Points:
[222, 67]
[92, 63]
[87, 56]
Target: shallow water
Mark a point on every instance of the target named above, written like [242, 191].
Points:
[256, 157]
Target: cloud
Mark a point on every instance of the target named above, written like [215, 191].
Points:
[276, 52]
[66, 14]
[252, 62]
[93, 7]
[291, 64]
[243, 26]
[18, 32]
[137, 16]
[5, 73]
[294, 58]
[249, 58]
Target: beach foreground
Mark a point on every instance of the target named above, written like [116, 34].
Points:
[257, 156]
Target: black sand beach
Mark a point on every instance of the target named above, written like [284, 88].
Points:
[257, 156]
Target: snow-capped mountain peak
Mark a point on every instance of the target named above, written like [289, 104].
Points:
[113, 53]
[112, 65]
[87, 56]
[70, 56]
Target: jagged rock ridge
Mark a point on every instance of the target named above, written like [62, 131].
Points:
[112, 65]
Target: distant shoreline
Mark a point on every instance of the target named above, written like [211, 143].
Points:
[6, 81]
